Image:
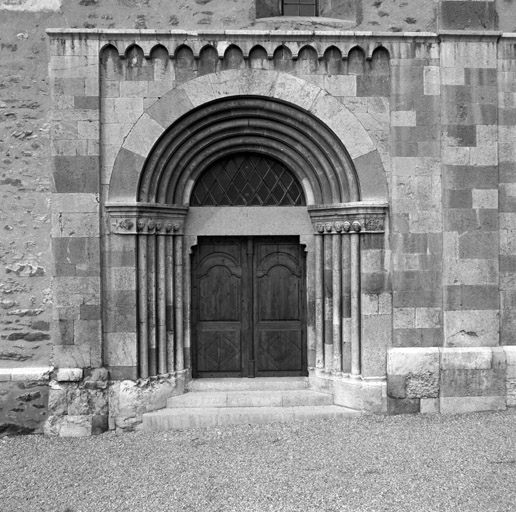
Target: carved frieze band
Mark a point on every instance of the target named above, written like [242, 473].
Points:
[348, 218]
[146, 219]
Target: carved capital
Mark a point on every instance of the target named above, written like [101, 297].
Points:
[146, 219]
[348, 218]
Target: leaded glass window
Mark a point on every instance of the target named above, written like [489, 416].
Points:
[247, 179]
[299, 8]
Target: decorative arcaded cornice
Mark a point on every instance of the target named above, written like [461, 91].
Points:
[146, 219]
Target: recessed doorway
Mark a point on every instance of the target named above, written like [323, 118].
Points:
[248, 307]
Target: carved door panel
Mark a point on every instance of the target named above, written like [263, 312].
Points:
[248, 307]
[219, 306]
[279, 305]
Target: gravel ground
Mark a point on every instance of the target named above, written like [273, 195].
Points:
[371, 463]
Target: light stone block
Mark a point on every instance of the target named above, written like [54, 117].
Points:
[429, 406]
[469, 404]
[31, 373]
[453, 76]
[483, 156]
[431, 81]
[487, 135]
[428, 318]
[345, 125]
[84, 224]
[69, 374]
[199, 90]
[88, 130]
[5, 374]
[456, 155]
[466, 358]
[471, 328]
[78, 356]
[403, 118]
[293, 89]
[121, 348]
[134, 89]
[404, 318]
[122, 278]
[402, 361]
[75, 203]
[484, 198]
[143, 136]
[75, 291]
[121, 110]
[470, 272]
[341, 85]
[369, 304]
[385, 304]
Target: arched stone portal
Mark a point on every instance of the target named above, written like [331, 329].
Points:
[202, 121]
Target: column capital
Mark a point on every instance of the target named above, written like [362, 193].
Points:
[146, 219]
[348, 218]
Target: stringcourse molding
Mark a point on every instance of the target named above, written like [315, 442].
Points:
[197, 123]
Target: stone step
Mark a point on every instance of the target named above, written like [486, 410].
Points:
[258, 384]
[183, 418]
[270, 398]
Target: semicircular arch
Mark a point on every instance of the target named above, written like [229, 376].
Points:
[307, 129]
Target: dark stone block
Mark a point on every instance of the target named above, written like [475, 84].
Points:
[428, 118]
[99, 424]
[267, 8]
[484, 114]
[463, 135]
[418, 337]
[481, 76]
[461, 177]
[76, 256]
[507, 202]
[125, 176]
[488, 219]
[466, 297]
[86, 102]
[484, 95]
[467, 15]
[483, 245]
[425, 133]
[65, 332]
[422, 298]
[121, 311]
[396, 386]
[90, 312]
[123, 372]
[402, 405]
[375, 283]
[507, 263]
[458, 199]
[507, 116]
[76, 174]
[460, 220]
[405, 149]
[369, 167]
[473, 382]
[372, 241]
[122, 258]
[369, 85]
[506, 172]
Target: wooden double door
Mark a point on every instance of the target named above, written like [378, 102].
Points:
[248, 307]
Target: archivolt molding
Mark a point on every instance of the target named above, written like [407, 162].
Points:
[309, 130]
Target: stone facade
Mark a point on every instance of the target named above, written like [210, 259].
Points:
[402, 141]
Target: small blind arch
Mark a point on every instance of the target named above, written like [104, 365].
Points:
[247, 179]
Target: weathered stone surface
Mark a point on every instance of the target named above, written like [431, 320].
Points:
[466, 358]
[128, 400]
[403, 405]
[402, 361]
[463, 405]
[422, 385]
[69, 374]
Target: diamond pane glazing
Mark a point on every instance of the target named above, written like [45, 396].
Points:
[247, 179]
